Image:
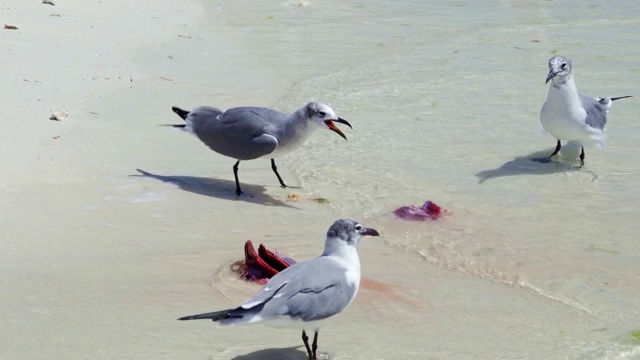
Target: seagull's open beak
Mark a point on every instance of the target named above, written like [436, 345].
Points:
[332, 126]
[551, 75]
[369, 231]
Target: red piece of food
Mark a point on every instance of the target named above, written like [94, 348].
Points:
[272, 259]
[428, 211]
[260, 266]
[433, 209]
[256, 269]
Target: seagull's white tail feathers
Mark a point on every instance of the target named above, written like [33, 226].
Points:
[608, 101]
[242, 318]
[595, 138]
[188, 127]
[605, 102]
[600, 140]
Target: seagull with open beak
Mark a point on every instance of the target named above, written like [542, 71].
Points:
[247, 133]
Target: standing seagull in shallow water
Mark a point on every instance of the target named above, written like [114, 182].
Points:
[305, 294]
[247, 133]
[567, 115]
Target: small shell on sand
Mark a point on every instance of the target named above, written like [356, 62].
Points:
[59, 115]
[299, 3]
[293, 197]
[49, 2]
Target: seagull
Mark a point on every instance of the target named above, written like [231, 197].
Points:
[247, 133]
[568, 115]
[304, 295]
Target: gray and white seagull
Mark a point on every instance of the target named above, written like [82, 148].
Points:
[306, 294]
[247, 133]
[568, 115]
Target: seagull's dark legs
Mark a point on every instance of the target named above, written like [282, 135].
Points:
[273, 167]
[582, 157]
[314, 346]
[548, 158]
[275, 170]
[235, 174]
[305, 339]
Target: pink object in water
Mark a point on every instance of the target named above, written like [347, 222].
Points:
[428, 211]
[259, 266]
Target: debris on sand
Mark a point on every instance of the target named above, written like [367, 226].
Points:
[59, 115]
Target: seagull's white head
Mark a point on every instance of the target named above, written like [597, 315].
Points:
[349, 231]
[559, 69]
[324, 116]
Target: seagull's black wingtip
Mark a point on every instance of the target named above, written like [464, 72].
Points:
[215, 316]
[620, 97]
[182, 113]
[181, 126]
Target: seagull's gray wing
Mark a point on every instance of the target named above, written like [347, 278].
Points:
[200, 115]
[317, 301]
[318, 291]
[309, 290]
[240, 133]
[596, 112]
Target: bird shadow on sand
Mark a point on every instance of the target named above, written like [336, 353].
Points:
[290, 353]
[523, 165]
[221, 189]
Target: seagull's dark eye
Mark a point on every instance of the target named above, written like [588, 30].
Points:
[322, 113]
[564, 65]
[358, 227]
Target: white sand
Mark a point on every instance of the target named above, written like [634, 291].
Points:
[97, 264]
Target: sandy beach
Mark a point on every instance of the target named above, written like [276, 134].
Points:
[113, 226]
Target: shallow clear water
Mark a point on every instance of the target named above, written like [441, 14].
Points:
[444, 98]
